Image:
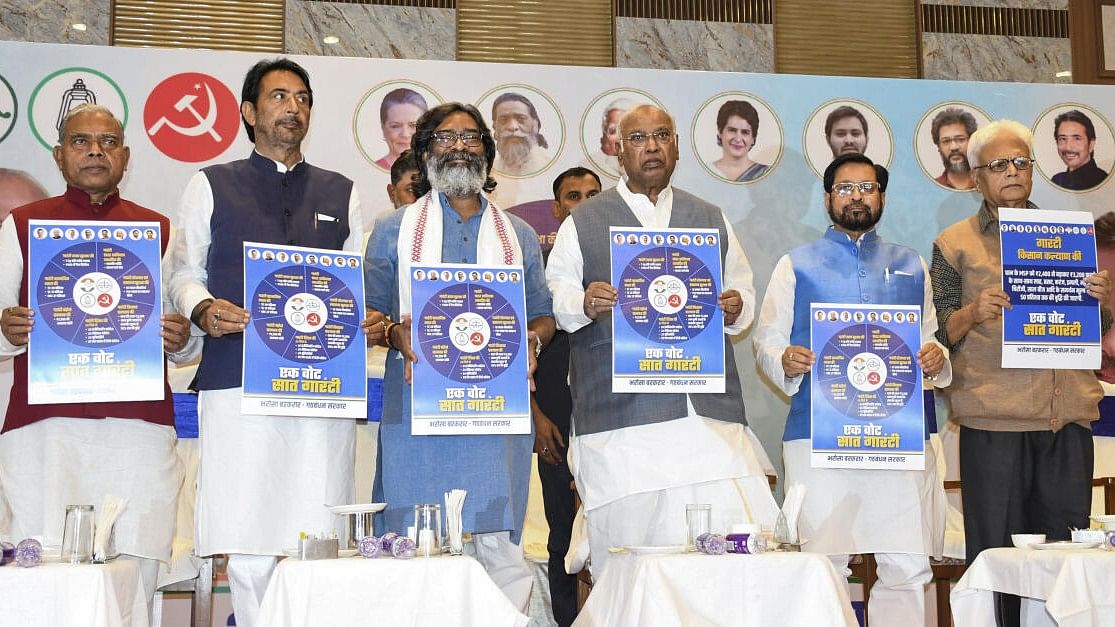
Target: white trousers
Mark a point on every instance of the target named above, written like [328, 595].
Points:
[657, 518]
[504, 562]
[898, 597]
[248, 576]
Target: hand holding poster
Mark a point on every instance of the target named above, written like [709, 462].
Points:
[667, 328]
[469, 330]
[866, 388]
[1053, 322]
[304, 350]
[96, 287]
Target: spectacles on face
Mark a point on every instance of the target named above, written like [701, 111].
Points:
[450, 138]
[662, 137]
[864, 187]
[1000, 165]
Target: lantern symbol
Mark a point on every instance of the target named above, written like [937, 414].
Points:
[75, 96]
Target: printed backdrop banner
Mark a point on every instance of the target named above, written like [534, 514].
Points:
[180, 109]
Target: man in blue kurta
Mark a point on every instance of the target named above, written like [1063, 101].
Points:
[895, 514]
[454, 222]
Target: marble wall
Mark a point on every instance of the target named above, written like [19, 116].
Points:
[949, 56]
[370, 31]
[420, 33]
[688, 45]
[49, 21]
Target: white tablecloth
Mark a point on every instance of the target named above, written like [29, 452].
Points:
[385, 591]
[64, 595]
[738, 590]
[1078, 586]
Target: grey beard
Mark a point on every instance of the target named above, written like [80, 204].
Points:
[958, 167]
[515, 150]
[454, 180]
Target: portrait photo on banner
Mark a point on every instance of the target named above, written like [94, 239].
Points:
[737, 137]
[941, 143]
[527, 127]
[846, 126]
[1074, 147]
[600, 127]
[385, 117]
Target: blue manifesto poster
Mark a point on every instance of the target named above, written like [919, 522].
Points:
[1052, 322]
[304, 350]
[96, 289]
[866, 388]
[667, 328]
[469, 330]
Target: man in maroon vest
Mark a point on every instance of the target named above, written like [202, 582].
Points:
[56, 454]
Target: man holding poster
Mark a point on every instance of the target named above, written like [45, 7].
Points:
[640, 458]
[1025, 439]
[262, 479]
[54, 454]
[896, 514]
[453, 221]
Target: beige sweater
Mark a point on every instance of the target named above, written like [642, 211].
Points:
[984, 395]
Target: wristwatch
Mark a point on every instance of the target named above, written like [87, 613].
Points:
[537, 347]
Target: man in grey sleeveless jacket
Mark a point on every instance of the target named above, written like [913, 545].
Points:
[637, 458]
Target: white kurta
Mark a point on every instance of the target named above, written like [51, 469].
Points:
[262, 479]
[853, 511]
[62, 461]
[691, 457]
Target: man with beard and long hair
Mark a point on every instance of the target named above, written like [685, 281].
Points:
[951, 129]
[896, 514]
[453, 221]
[521, 149]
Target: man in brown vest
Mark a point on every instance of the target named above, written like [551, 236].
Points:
[1025, 436]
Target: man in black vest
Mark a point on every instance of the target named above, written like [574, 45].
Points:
[640, 458]
[262, 479]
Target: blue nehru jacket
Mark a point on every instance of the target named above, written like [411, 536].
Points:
[253, 201]
[834, 269]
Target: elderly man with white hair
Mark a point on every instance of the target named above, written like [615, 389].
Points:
[1025, 436]
[639, 458]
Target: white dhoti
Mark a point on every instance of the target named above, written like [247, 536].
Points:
[50, 464]
[635, 482]
[899, 515]
[264, 479]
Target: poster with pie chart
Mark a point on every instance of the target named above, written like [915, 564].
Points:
[96, 291]
[304, 348]
[866, 387]
[469, 330]
[667, 328]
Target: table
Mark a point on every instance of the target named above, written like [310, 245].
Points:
[1078, 586]
[445, 590]
[64, 595]
[739, 590]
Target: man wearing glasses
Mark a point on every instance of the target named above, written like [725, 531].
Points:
[1025, 439]
[895, 514]
[638, 459]
[453, 221]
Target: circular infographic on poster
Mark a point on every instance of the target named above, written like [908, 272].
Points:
[668, 295]
[469, 333]
[867, 372]
[306, 314]
[96, 294]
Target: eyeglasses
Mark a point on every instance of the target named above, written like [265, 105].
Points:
[1000, 165]
[449, 138]
[864, 187]
[640, 139]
